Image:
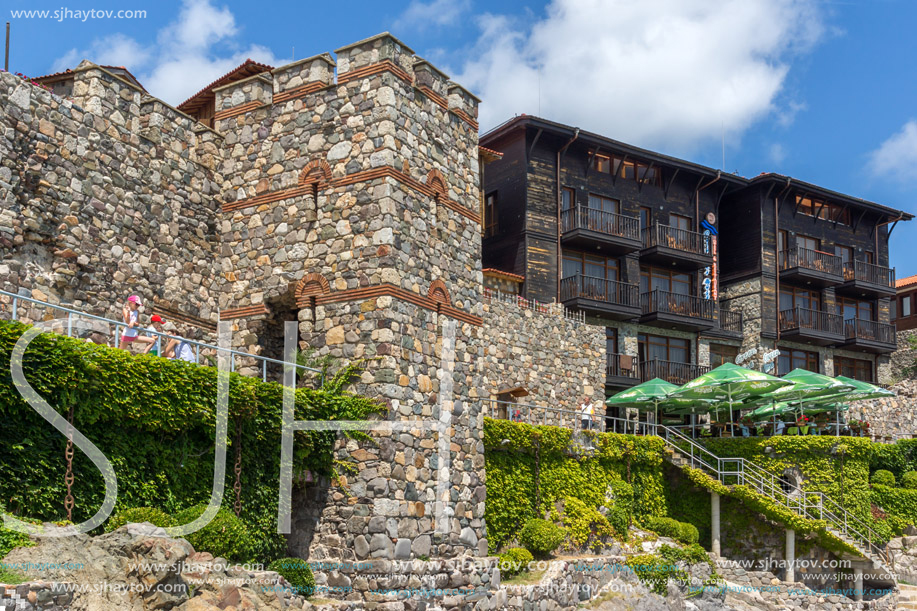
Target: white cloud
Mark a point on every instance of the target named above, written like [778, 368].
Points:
[197, 48]
[777, 153]
[421, 15]
[676, 72]
[897, 156]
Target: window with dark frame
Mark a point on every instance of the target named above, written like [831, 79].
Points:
[855, 308]
[870, 257]
[791, 359]
[680, 222]
[490, 215]
[646, 217]
[611, 340]
[628, 169]
[721, 353]
[653, 347]
[567, 198]
[668, 280]
[605, 204]
[804, 241]
[823, 210]
[593, 266]
[858, 369]
[905, 306]
[792, 297]
[844, 252]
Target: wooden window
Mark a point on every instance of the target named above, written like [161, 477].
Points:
[721, 353]
[650, 175]
[680, 222]
[490, 215]
[661, 279]
[652, 347]
[858, 369]
[611, 340]
[646, 217]
[870, 257]
[905, 306]
[823, 210]
[567, 199]
[602, 164]
[783, 240]
[803, 241]
[844, 252]
[589, 265]
[792, 297]
[792, 359]
[855, 308]
[606, 204]
[628, 170]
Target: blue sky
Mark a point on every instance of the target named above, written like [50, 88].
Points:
[822, 90]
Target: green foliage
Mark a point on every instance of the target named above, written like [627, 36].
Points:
[156, 517]
[883, 478]
[10, 578]
[619, 521]
[539, 465]
[691, 554]
[654, 572]
[11, 539]
[899, 457]
[668, 527]
[514, 561]
[155, 420]
[226, 536]
[899, 504]
[298, 572]
[541, 537]
[909, 480]
[585, 526]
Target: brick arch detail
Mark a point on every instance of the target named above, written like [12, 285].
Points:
[316, 172]
[439, 293]
[312, 285]
[437, 182]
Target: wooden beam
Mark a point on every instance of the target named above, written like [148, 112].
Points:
[589, 159]
[838, 216]
[857, 224]
[817, 212]
[720, 196]
[614, 175]
[534, 142]
[799, 199]
[665, 192]
[642, 182]
[890, 230]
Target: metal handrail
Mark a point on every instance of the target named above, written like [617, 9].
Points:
[858, 328]
[529, 414]
[198, 346]
[807, 258]
[805, 318]
[676, 238]
[599, 289]
[601, 221]
[869, 272]
[813, 505]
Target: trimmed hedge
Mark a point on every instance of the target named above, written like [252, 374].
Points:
[513, 561]
[137, 515]
[154, 419]
[883, 478]
[298, 572]
[541, 537]
[226, 536]
[668, 527]
[909, 480]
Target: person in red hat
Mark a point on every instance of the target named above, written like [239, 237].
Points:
[152, 340]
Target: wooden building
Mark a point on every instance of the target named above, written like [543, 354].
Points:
[686, 266]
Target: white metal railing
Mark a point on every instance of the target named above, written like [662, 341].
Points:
[806, 503]
[64, 325]
[550, 309]
[540, 414]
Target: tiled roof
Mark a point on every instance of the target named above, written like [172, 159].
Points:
[201, 98]
[499, 273]
[901, 283]
[114, 69]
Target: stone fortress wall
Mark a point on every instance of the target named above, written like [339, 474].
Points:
[341, 192]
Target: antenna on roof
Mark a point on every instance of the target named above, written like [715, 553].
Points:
[294, 54]
[723, 127]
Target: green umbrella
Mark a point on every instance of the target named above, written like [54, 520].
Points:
[863, 390]
[730, 384]
[773, 409]
[807, 386]
[647, 396]
[821, 408]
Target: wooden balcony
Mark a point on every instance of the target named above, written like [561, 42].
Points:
[599, 231]
[677, 311]
[862, 279]
[671, 371]
[728, 325]
[621, 370]
[673, 247]
[810, 326]
[868, 336]
[604, 298]
[810, 267]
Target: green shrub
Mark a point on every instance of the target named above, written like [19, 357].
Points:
[541, 537]
[883, 478]
[668, 527]
[226, 536]
[618, 519]
[298, 572]
[137, 515]
[514, 561]
[585, 526]
[692, 554]
[909, 480]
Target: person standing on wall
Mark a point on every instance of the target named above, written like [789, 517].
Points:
[131, 316]
[587, 411]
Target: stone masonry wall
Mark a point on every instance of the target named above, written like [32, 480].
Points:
[105, 195]
[558, 360]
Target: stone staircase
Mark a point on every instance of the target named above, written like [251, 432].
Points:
[907, 599]
[682, 451]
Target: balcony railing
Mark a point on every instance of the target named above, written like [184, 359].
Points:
[857, 328]
[869, 273]
[671, 371]
[806, 258]
[676, 303]
[621, 366]
[816, 320]
[598, 289]
[600, 221]
[678, 239]
[731, 321]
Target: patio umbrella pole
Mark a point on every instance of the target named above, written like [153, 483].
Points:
[837, 428]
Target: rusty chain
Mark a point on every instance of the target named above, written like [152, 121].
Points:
[68, 478]
[238, 469]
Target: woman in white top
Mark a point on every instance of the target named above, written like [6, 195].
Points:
[131, 316]
[180, 349]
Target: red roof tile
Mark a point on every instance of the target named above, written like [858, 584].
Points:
[246, 69]
[498, 273]
[901, 283]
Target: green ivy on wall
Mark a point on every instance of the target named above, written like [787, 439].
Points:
[529, 468]
[155, 420]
